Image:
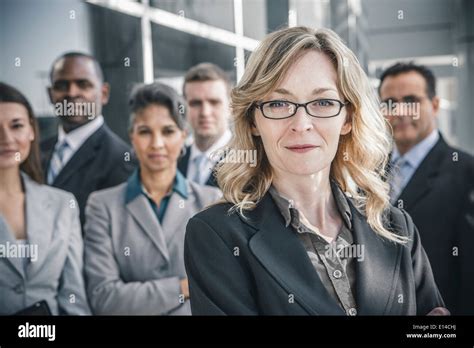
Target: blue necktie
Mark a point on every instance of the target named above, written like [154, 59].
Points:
[398, 174]
[57, 161]
[198, 161]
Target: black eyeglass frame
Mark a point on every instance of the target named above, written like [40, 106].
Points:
[260, 105]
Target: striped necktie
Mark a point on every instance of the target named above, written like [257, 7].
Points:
[57, 161]
[398, 173]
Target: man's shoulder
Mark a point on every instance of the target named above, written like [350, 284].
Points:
[113, 148]
[111, 138]
[459, 161]
[48, 143]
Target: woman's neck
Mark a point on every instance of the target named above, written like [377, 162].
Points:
[158, 183]
[312, 196]
[10, 181]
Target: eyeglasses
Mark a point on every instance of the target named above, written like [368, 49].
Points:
[280, 109]
[406, 99]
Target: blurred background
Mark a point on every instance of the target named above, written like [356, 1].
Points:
[141, 41]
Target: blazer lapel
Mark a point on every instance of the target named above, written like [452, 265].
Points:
[378, 271]
[177, 212]
[7, 239]
[425, 175]
[39, 220]
[81, 157]
[143, 214]
[282, 254]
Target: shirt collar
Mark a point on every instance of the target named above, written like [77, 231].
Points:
[78, 136]
[136, 188]
[223, 140]
[418, 152]
[285, 205]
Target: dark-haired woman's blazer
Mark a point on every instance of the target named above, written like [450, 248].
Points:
[54, 272]
[134, 263]
[251, 266]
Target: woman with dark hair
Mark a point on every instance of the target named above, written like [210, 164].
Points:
[40, 236]
[32, 164]
[134, 232]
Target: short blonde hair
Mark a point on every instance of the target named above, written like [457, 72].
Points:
[362, 154]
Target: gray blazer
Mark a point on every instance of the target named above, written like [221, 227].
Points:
[133, 264]
[54, 271]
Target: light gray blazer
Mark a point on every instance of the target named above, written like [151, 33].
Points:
[55, 273]
[133, 264]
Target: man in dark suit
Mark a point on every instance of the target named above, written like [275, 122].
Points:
[85, 155]
[207, 90]
[432, 181]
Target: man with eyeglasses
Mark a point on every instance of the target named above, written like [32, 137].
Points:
[85, 155]
[431, 180]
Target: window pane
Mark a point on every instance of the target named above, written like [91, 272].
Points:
[254, 18]
[174, 52]
[218, 13]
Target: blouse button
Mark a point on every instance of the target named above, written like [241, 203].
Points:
[352, 311]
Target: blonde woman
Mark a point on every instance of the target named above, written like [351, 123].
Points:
[309, 229]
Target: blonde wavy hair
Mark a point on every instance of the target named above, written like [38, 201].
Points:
[362, 154]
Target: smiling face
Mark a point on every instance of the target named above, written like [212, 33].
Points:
[75, 80]
[156, 138]
[16, 134]
[301, 144]
[408, 130]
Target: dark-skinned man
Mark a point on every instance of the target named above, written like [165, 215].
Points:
[85, 155]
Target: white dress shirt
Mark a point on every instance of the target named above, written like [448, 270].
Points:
[77, 137]
[204, 168]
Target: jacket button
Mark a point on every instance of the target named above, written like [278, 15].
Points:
[352, 311]
[18, 288]
[337, 274]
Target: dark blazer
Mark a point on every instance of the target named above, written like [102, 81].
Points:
[183, 168]
[252, 266]
[98, 164]
[440, 199]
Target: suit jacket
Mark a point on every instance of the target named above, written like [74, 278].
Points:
[98, 164]
[183, 164]
[134, 264]
[255, 265]
[440, 199]
[52, 226]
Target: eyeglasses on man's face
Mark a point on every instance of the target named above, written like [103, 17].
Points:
[280, 109]
[409, 99]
